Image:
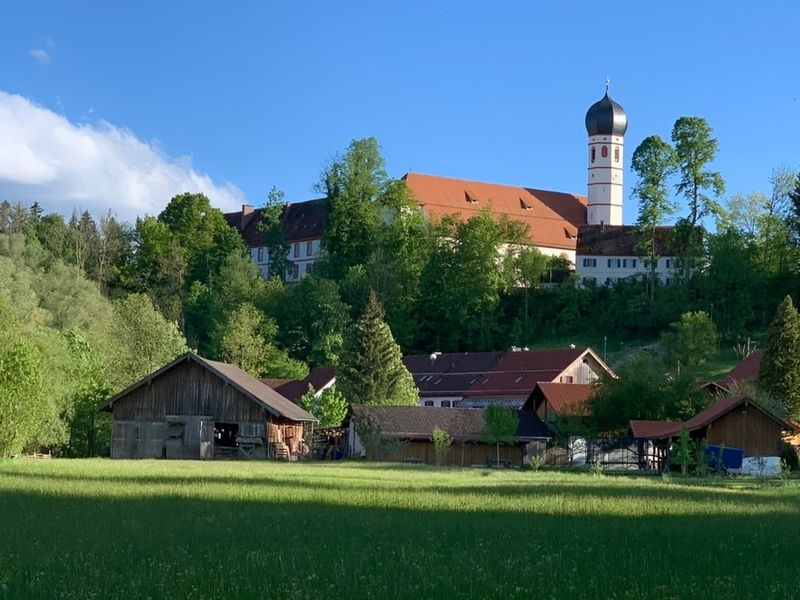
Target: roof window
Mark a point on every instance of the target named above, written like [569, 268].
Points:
[569, 235]
[525, 205]
[470, 198]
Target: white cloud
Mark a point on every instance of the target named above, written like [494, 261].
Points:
[64, 166]
[42, 56]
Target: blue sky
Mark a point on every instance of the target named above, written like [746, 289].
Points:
[119, 105]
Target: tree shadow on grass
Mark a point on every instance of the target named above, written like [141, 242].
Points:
[178, 547]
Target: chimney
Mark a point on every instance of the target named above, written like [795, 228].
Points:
[247, 211]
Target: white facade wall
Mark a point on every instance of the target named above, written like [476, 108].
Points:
[607, 270]
[605, 158]
[302, 255]
[439, 402]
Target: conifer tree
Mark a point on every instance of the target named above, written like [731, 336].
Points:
[779, 375]
[372, 370]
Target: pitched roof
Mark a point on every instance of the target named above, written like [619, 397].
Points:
[509, 373]
[301, 221]
[553, 217]
[620, 240]
[747, 370]
[654, 429]
[660, 429]
[464, 424]
[248, 385]
[318, 378]
[567, 397]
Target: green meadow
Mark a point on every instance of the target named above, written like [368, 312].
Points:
[155, 529]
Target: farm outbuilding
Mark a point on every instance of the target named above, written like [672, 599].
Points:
[733, 422]
[409, 432]
[199, 408]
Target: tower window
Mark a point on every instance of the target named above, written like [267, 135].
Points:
[604, 151]
[616, 154]
[593, 154]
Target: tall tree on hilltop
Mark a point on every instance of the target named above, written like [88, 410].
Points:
[272, 226]
[793, 217]
[779, 375]
[372, 369]
[654, 161]
[353, 184]
[695, 148]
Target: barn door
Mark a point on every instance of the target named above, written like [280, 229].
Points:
[206, 438]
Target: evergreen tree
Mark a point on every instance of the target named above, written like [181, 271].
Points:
[780, 368]
[372, 370]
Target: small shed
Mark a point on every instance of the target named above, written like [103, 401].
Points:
[552, 400]
[737, 422]
[197, 408]
[409, 434]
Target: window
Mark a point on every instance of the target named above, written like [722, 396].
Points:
[427, 403]
[295, 271]
[616, 154]
[589, 281]
[260, 255]
[589, 262]
[470, 198]
[446, 404]
[524, 205]
[604, 151]
[633, 263]
[609, 263]
[619, 263]
[309, 248]
[624, 263]
[566, 379]
[667, 261]
[296, 249]
[594, 154]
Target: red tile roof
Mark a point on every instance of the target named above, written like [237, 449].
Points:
[748, 369]
[661, 429]
[553, 218]
[511, 373]
[567, 397]
[655, 429]
[319, 377]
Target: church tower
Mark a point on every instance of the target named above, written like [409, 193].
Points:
[606, 123]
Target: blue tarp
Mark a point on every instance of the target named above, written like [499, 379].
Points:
[731, 457]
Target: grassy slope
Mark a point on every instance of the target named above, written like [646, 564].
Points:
[116, 529]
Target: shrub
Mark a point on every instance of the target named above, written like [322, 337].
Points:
[441, 444]
[789, 454]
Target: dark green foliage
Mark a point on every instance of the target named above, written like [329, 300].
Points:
[330, 407]
[683, 452]
[691, 342]
[644, 390]
[371, 370]
[500, 427]
[789, 455]
[272, 226]
[779, 375]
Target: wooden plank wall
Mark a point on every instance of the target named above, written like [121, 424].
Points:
[188, 389]
[749, 429]
[459, 455]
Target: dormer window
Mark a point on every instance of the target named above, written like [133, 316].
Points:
[524, 205]
[570, 235]
[470, 198]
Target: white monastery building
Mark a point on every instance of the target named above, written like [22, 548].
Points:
[587, 231]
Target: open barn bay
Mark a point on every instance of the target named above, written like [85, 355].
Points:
[148, 529]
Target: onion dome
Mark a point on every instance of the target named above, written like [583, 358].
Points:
[606, 117]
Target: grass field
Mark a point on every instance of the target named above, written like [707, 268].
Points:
[147, 529]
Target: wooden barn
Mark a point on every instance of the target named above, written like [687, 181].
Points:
[734, 422]
[199, 408]
[412, 428]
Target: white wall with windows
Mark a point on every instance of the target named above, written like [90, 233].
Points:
[302, 254]
[607, 270]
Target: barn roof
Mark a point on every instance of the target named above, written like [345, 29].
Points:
[553, 218]
[663, 429]
[248, 385]
[464, 424]
[566, 397]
